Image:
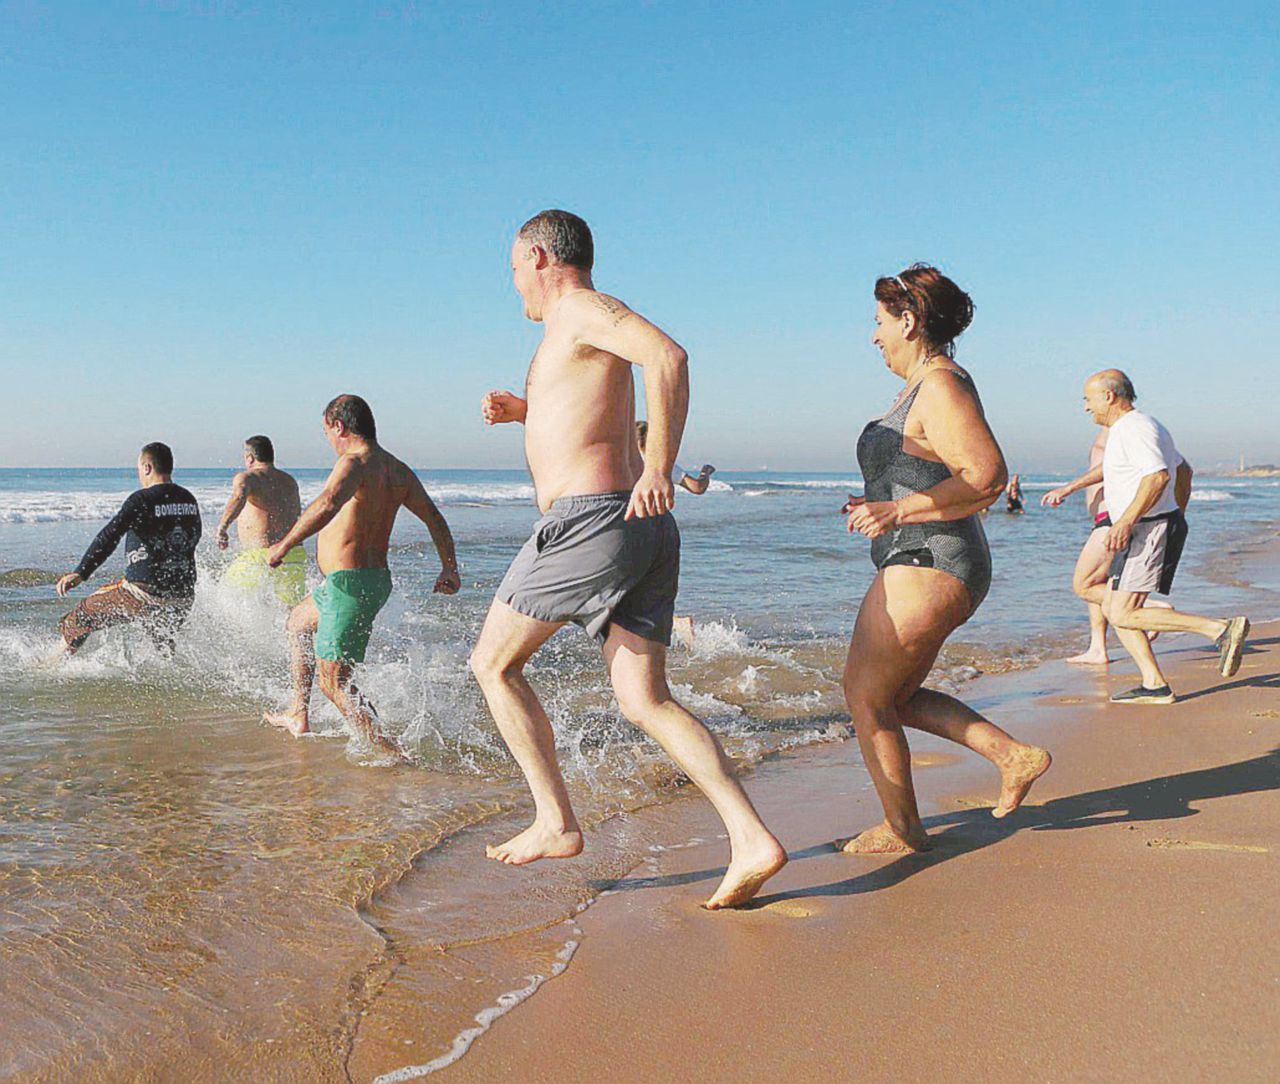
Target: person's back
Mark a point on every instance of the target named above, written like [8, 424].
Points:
[161, 527]
[160, 546]
[581, 406]
[360, 534]
[272, 505]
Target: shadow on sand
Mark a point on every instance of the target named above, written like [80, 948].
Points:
[963, 832]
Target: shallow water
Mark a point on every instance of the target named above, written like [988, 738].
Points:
[180, 885]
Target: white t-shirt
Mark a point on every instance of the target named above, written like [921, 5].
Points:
[1137, 446]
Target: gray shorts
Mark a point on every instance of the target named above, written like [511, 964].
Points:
[1150, 560]
[585, 563]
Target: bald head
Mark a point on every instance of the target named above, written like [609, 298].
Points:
[1108, 396]
[1115, 382]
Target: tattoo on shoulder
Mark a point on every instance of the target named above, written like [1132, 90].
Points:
[614, 309]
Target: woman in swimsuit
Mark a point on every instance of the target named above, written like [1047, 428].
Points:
[929, 466]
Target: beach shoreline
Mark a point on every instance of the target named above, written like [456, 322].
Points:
[1118, 927]
[307, 916]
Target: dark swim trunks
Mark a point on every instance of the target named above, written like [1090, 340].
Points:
[588, 564]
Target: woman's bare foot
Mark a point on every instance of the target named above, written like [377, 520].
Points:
[294, 722]
[882, 839]
[748, 870]
[1095, 656]
[536, 842]
[1024, 766]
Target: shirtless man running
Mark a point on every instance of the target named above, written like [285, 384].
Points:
[264, 504]
[606, 552]
[329, 630]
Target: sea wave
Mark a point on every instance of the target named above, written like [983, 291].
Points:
[1211, 495]
[66, 506]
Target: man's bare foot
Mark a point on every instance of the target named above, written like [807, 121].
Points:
[748, 870]
[1025, 765]
[1092, 657]
[882, 839]
[295, 724]
[536, 842]
[389, 746]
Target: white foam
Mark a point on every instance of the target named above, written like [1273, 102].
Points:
[714, 639]
[1211, 495]
[818, 483]
[484, 1021]
[80, 505]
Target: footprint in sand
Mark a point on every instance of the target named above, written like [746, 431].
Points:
[932, 760]
[788, 909]
[974, 803]
[1070, 700]
[1200, 845]
[1267, 713]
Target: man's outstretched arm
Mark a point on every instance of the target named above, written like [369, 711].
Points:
[340, 487]
[607, 324]
[102, 547]
[235, 505]
[421, 505]
[1091, 477]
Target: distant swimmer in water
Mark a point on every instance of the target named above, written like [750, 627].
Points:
[161, 526]
[1013, 496]
[329, 630]
[930, 464]
[695, 483]
[264, 504]
[605, 554]
[1146, 484]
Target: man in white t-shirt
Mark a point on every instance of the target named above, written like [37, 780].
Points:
[1146, 484]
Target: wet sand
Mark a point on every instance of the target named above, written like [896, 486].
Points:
[1120, 926]
[190, 897]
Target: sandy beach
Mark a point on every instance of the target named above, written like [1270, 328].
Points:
[189, 898]
[1120, 926]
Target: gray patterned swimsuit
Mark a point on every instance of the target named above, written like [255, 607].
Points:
[958, 547]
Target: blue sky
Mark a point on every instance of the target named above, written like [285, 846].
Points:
[218, 215]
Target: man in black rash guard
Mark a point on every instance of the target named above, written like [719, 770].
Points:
[161, 525]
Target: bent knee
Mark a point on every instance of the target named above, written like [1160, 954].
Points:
[636, 708]
[490, 668]
[1120, 614]
[869, 711]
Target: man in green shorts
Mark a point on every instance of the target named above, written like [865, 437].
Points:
[329, 630]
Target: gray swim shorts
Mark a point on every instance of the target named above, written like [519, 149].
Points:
[1150, 560]
[586, 563]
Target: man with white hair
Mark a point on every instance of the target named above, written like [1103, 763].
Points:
[1146, 485]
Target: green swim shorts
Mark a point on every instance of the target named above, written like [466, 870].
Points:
[348, 601]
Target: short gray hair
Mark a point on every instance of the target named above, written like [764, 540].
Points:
[1118, 384]
[564, 236]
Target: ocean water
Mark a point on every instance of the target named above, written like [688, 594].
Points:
[180, 885]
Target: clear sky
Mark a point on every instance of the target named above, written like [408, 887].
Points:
[218, 215]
